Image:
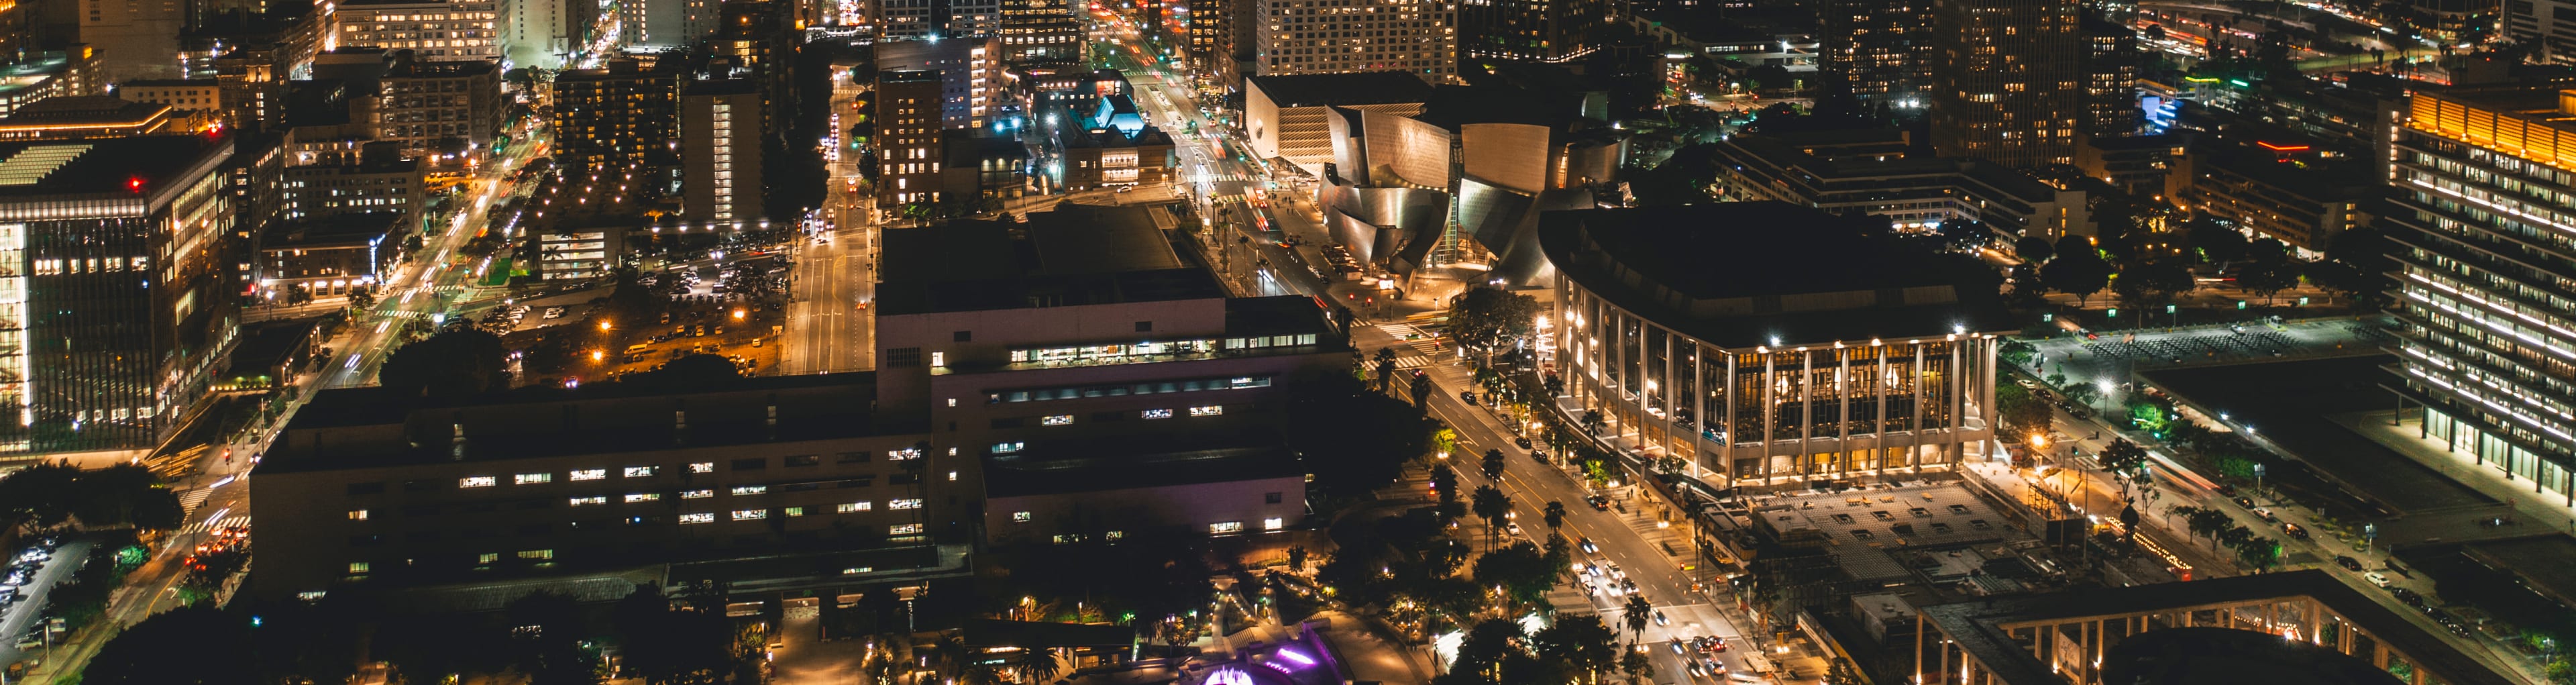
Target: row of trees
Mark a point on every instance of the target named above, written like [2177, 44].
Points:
[2252, 549]
[2144, 277]
[53, 494]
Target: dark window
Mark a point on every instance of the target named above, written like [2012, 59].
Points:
[1144, 326]
[477, 533]
[800, 487]
[962, 336]
[535, 529]
[420, 485]
[903, 479]
[854, 457]
[370, 488]
[805, 460]
[419, 536]
[752, 464]
[479, 508]
[366, 540]
[1108, 415]
[859, 482]
[1012, 422]
[536, 504]
[420, 510]
[903, 357]
[1270, 498]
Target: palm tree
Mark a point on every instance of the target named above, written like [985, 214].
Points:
[1490, 505]
[1639, 668]
[1039, 664]
[1555, 513]
[1592, 422]
[1640, 613]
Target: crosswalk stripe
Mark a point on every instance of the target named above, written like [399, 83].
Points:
[227, 522]
[1411, 362]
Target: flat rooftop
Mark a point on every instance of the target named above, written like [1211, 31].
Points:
[104, 166]
[343, 230]
[1975, 624]
[1076, 255]
[1139, 461]
[1342, 90]
[1670, 263]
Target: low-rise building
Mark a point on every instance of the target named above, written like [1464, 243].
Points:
[203, 94]
[376, 183]
[89, 116]
[2303, 205]
[437, 108]
[1103, 157]
[329, 256]
[1911, 192]
[2140, 165]
[576, 253]
[43, 75]
[987, 167]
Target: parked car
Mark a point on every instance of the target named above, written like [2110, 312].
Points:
[2375, 579]
[2348, 563]
[2294, 530]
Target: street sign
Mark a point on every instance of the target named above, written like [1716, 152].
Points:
[2240, 304]
[2115, 312]
[2169, 309]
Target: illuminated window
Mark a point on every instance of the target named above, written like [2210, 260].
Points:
[1273, 524]
[904, 529]
[1057, 420]
[357, 514]
[795, 511]
[590, 474]
[1156, 413]
[478, 481]
[487, 557]
[641, 471]
[698, 494]
[635, 497]
[1008, 447]
[1114, 535]
[750, 489]
[356, 567]
[903, 454]
[698, 518]
[1226, 527]
[1019, 517]
[901, 504]
[532, 478]
[702, 467]
[847, 507]
[750, 514]
[536, 554]
[1210, 410]
[595, 499]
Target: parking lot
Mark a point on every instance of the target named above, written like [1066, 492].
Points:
[29, 582]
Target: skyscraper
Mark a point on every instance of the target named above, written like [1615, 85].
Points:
[1040, 31]
[2481, 292]
[720, 151]
[1529, 30]
[2007, 80]
[2111, 78]
[935, 19]
[88, 360]
[1882, 48]
[622, 113]
[540, 33]
[909, 126]
[1418, 37]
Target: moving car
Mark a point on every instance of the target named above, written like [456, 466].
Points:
[1599, 503]
[1586, 544]
[1660, 620]
[2348, 563]
[2375, 579]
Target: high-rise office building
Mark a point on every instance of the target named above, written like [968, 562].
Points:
[936, 19]
[909, 126]
[1529, 30]
[1882, 48]
[134, 39]
[2548, 25]
[541, 33]
[720, 151]
[1040, 31]
[756, 41]
[970, 75]
[618, 114]
[2111, 79]
[2478, 175]
[89, 361]
[2007, 80]
[432, 107]
[1418, 37]
[432, 29]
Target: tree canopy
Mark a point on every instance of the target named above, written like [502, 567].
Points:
[455, 363]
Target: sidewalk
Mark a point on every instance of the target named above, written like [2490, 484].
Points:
[2520, 494]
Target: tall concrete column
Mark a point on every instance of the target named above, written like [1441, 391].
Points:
[1806, 408]
[1768, 400]
[1842, 408]
[1986, 403]
[1878, 395]
[1728, 434]
[1914, 385]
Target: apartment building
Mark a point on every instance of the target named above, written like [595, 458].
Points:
[909, 130]
[720, 155]
[432, 29]
[1416, 37]
[426, 106]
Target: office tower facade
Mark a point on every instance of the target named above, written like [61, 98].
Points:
[89, 361]
[2111, 79]
[2477, 174]
[2007, 80]
[135, 39]
[756, 41]
[437, 30]
[1418, 37]
[909, 127]
[1529, 30]
[618, 114]
[720, 152]
[428, 107]
[1040, 31]
[970, 76]
[936, 19]
[1882, 48]
[541, 33]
